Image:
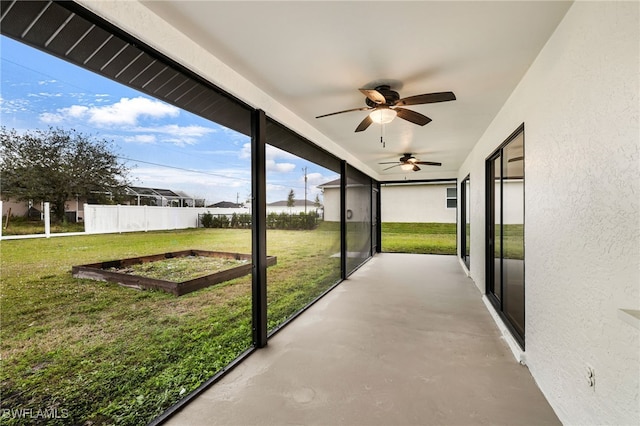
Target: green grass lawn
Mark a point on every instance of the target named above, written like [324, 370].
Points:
[421, 238]
[103, 354]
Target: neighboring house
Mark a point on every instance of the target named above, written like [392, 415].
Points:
[225, 205]
[421, 202]
[16, 208]
[429, 202]
[331, 197]
[73, 208]
[161, 197]
[299, 206]
[358, 203]
[137, 196]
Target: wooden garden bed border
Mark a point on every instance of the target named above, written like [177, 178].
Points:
[98, 271]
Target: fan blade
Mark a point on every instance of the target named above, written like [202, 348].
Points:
[390, 167]
[416, 168]
[374, 96]
[427, 98]
[412, 116]
[347, 110]
[364, 124]
[428, 163]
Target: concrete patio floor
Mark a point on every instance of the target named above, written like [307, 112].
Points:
[406, 340]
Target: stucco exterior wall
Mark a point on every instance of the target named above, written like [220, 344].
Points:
[331, 199]
[416, 203]
[579, 102]
[358, 204]
[17, 208]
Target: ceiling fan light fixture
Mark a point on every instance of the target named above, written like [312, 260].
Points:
[406, 167]
[383, 115]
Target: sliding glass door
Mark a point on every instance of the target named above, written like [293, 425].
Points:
[505, 231]
[465, 221]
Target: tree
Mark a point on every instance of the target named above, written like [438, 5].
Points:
[316, 202]
[291, 199]
[56, 165]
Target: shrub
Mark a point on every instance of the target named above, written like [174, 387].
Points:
[207, 220]
[220, 222]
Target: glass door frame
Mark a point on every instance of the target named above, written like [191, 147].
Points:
[465, 214]
[494, 160]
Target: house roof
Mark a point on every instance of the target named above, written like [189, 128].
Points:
[331, 184]
[156, 192]
[296, 203]
[225, 205]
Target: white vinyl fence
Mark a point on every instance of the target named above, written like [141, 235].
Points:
[99, 219]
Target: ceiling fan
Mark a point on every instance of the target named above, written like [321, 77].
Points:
[385, 104]
[408, 162]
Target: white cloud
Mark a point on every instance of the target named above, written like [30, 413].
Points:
[218, 152]
[75, 111]
[44, 95]
[315, 179]
[245, 152]
[128, 111]
[142, 139]
[12, 106]
[51, 118]
[273, 155]
[125, 112]
[44, 82]
[177, 135]
[273, 187]
[276, 153]
[272, 166]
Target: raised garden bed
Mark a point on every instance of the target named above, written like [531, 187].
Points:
[123, 272]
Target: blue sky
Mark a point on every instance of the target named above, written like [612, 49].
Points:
[165, 147]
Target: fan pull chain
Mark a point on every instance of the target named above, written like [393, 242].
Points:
[382, 136]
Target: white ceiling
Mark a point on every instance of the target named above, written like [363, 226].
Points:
[313, 56]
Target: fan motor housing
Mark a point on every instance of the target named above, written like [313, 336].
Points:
[390, 96]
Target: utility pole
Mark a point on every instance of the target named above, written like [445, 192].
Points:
[305, 189]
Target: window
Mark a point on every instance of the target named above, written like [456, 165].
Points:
[452, 200]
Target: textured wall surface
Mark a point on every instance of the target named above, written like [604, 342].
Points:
[580, 105]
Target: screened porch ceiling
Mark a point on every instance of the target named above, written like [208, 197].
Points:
[313, 56]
